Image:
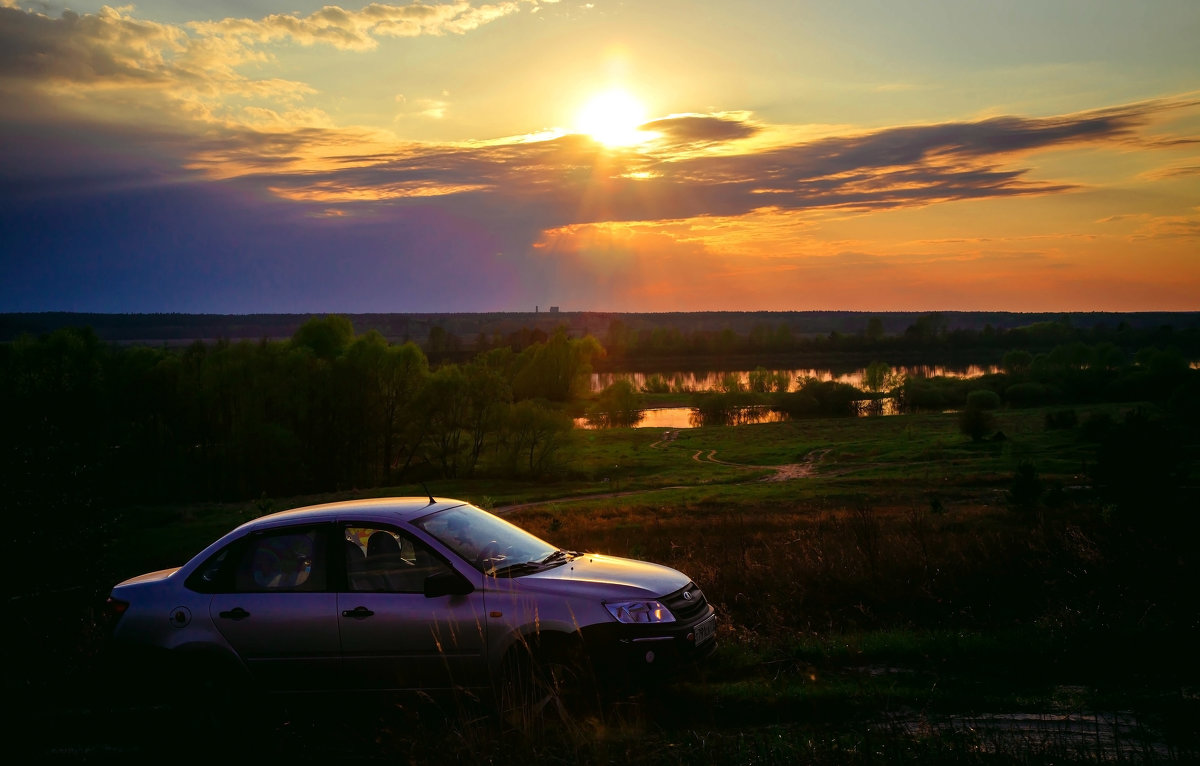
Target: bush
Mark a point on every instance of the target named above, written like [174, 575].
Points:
[983, 399]
[976, 423]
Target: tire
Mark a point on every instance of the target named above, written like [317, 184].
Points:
[549, 683]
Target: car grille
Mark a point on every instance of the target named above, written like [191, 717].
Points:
[687, 603]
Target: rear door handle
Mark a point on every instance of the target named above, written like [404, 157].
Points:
[237, 613]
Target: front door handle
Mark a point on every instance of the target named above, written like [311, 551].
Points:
[358, 613]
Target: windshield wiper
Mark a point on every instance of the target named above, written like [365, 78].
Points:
[561, 556]
[516, 568]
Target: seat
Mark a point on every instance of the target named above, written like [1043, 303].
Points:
[382, 543]
[386, 563]
[356, 567]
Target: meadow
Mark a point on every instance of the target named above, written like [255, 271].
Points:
[889, 591]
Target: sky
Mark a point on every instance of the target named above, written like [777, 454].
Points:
[267, 156]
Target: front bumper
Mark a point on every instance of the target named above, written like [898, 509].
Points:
[657, 650]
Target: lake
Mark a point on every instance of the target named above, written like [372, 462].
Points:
[712, 380]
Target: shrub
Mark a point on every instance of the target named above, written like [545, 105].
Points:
[976, 423]
[983, 399]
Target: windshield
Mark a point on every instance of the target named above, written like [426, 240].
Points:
[488, 542]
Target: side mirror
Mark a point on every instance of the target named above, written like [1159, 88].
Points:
[447, 583]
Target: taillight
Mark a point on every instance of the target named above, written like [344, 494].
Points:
[113, 609]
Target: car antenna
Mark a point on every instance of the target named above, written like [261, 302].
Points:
[431, 500]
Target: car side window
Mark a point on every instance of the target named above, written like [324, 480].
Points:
[386, 561]
[282, 560]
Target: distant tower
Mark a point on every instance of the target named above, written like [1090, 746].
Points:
[535, 309]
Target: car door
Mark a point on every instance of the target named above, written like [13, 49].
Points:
[392, 635]
[278, 612]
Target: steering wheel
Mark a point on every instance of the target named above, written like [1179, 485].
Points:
[489, 551]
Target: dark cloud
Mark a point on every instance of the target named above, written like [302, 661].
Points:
[699, 128]
[105, 47]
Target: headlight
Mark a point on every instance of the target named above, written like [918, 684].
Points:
[643, 612]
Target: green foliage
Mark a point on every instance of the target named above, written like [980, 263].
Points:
[983, 399]
[874, 331]
[764, 381]
[656, 384]
[535, 434]
[820, 397]
[617, 405]
[976, 423]
[556, 370]
[925, 394]
[878, 377]
[1017, 362]
[325, 337]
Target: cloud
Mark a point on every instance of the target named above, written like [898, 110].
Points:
[112, 62]
[109, 46]
[701, 128]
[571, 179]
[357, 30]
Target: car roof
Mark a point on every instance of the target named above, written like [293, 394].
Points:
[382, 509]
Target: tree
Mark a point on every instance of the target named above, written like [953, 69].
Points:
[535, 434]
[488, 399]
[976, 421]
[618, 405]
[326, 337]
[1017, 362]
[874, 330]
[878, 377]
[445, 403]
[555, 370]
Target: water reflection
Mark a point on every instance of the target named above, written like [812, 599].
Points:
[716, 380]
[690, 417]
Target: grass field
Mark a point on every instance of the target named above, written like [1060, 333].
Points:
[886, 599]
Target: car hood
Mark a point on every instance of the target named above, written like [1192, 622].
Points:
[607, 577]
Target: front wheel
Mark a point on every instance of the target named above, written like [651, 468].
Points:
[549, 684]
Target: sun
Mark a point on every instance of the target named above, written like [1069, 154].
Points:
[613, 118]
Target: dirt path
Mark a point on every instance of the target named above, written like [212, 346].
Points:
[788, 472]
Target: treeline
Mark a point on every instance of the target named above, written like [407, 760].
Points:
[325, 410]
[1071, 374]
[928, 337]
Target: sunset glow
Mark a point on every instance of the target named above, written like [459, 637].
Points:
[481, 156]
[613, 118]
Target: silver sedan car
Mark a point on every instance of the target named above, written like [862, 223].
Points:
[408, 594]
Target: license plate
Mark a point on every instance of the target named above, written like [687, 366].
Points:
[706, 630]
